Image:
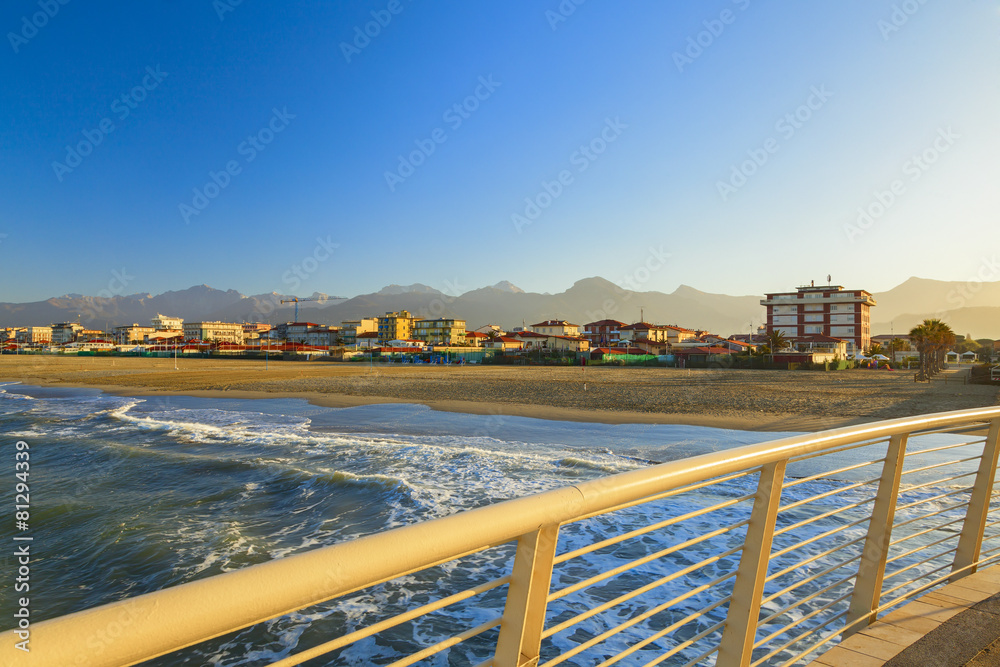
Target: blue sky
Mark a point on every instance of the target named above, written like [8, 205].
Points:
[734, 146]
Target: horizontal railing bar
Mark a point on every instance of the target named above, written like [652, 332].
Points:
[921, 548]
[652, 498]
[830, 473]
[802, 582]
[607, 574]
[680, 647]
[548, 632]
[670, 628]
[943, 448]
[388, 623]
[179, 616]
[923, 575]
[907, 506]
[642, 617]
[838, 450]
[447, 643]
[812, 647]
[994, 550]
[569, 555]
[939, 465]
[798, 603]
[939, 580]
[820, 517]
[821, 496]
[911, 536]
[947, 566]
[807, 633]
[956, 429]
[936, 482]
[815, 612]
[923, 517]
[695, 661]
[814, 538]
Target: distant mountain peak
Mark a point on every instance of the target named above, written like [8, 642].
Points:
[407, 289]
[507, 286]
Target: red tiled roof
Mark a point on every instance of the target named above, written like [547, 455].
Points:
[555, 323]
[605, 323]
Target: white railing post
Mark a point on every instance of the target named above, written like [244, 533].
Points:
[736, 646]
[520, 637]
[871, 571]
[971, 540]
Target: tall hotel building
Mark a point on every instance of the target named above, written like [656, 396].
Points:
[825, 311]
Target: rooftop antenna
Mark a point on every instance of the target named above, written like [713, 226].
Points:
[829, 280]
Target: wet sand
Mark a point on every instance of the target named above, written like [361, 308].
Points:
[738, 399]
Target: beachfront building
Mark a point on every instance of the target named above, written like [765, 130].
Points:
[533, 341]
[396, 326]
[351, 329]
[820, 343]
[643, 331]
[323, 336]
[367, 340]
[556, 328]
[822, 310]
[603, 332]
[293, 332]
[476, 338]
[131, 333]
[442, 331]
[504, 343]
[35, 335]
[221, 332]
[163, 322]
[65, 332]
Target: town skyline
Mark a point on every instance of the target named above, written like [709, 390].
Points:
[724, 143]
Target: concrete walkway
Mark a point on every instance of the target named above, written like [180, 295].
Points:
[957, 625]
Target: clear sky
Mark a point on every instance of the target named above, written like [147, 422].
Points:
[259, 146]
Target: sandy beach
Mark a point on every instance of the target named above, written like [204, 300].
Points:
[739, 399]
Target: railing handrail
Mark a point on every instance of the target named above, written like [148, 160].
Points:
[189, 613]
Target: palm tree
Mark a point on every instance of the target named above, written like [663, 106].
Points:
[933, 338]
[776, 341]
[874, 348]
[920, 337]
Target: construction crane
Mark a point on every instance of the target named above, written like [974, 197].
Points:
[296, 300]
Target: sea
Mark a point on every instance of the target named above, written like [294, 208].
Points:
[130, 495]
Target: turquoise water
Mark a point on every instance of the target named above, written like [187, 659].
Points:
[130, 495]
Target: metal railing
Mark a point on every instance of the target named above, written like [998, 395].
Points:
[760, 555]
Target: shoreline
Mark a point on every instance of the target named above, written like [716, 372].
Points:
[769, 423]
[746, 400]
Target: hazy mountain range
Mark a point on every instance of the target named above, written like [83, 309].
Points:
[972, 307]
